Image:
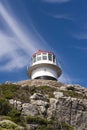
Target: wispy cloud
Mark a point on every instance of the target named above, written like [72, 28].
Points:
[80, 36]
[81, 48]
[15, 27]
[10, 57]
[65, 78]
[61, 16]
[56, 1]
[19, 46]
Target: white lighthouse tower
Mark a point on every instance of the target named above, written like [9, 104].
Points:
[44, 66]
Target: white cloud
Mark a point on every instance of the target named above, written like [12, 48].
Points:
[12, 46]
[7, 44]
[56, 1]
[25, 42]
[9, 53]
[15, 63]
[61, 16]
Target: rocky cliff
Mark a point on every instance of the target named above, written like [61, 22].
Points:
[43, 105]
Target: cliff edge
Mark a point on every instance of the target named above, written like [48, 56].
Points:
[43, 105]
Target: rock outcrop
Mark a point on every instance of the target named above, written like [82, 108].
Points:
[64, 105]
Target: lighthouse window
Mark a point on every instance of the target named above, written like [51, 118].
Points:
[50, 57]
[54, 60]
[44, 56]
[38, 57]
[34, 59]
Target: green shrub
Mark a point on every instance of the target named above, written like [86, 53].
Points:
[66, 126]
[37, 120]
[42, 89]
[9, 90]
[72, 94]
[4, 106]
[8, 125]
[43, 127]
[9, 112]
[43, 123]
[12, 91]
[47, 90]
[15, 115]
[6, 118]
[32, 89]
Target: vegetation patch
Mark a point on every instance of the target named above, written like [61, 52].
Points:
[9, 112]
[8, 90]
[4, 106]
[15, 115]
[44, 124]
[6, 118]
[72, 94]
[13, 91]
[43, 127]
[43, 90]
[38, 120]
[7, 124]
[66, 126]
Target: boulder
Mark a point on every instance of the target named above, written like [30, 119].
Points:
[58, 94]
[16, 104]
[29, 109]
[41, 105]
[38, 96]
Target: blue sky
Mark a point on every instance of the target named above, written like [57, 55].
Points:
[55, 25]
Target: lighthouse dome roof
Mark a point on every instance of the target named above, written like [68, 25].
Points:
[42, 51]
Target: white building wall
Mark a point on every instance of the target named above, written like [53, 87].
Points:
[43, 61]
[43, 71]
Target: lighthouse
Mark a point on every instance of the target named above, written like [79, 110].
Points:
[44, 66]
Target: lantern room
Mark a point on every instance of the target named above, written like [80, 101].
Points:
[44, 66]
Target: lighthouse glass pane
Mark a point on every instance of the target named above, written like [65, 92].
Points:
[34, 59]
[50, 57]
[38, 57]
[54, 60]
[44, 56]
